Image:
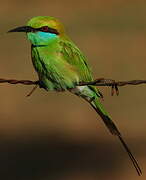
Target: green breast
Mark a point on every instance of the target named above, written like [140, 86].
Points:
[53, 71]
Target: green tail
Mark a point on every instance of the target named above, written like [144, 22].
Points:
[114, 130]
[91, 95]
[105, 117]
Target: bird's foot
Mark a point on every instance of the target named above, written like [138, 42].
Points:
[109, 82]
[114, 86]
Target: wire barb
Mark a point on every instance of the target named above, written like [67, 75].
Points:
[32, 91]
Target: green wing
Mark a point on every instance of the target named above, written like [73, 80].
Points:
[75, 57]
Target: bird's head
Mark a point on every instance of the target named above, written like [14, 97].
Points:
[42, 30]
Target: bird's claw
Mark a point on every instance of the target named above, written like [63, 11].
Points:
[114, 86]
[114, 89]
[110, 82]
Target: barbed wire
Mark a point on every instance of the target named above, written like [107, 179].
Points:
[113, 84]
[14, 81]
[98, 82]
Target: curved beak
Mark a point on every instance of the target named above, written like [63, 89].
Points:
[22, 29]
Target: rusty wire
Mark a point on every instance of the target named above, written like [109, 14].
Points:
[98, 82]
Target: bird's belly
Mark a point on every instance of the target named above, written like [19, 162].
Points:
[50, 85]
[53, 78]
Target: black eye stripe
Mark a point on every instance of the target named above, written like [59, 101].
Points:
[47, 29]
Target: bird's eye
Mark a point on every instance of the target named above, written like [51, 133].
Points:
[48, 29]
[45, 28]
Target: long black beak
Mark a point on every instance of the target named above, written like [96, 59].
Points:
[22, 29]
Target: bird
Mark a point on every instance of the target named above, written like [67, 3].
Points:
[61, 65]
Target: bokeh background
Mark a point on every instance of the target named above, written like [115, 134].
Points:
[58, 136]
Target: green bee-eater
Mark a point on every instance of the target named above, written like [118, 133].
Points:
[61, 66]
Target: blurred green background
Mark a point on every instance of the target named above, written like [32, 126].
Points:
[58, 136]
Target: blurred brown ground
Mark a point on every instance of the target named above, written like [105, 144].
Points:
[58, 136]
